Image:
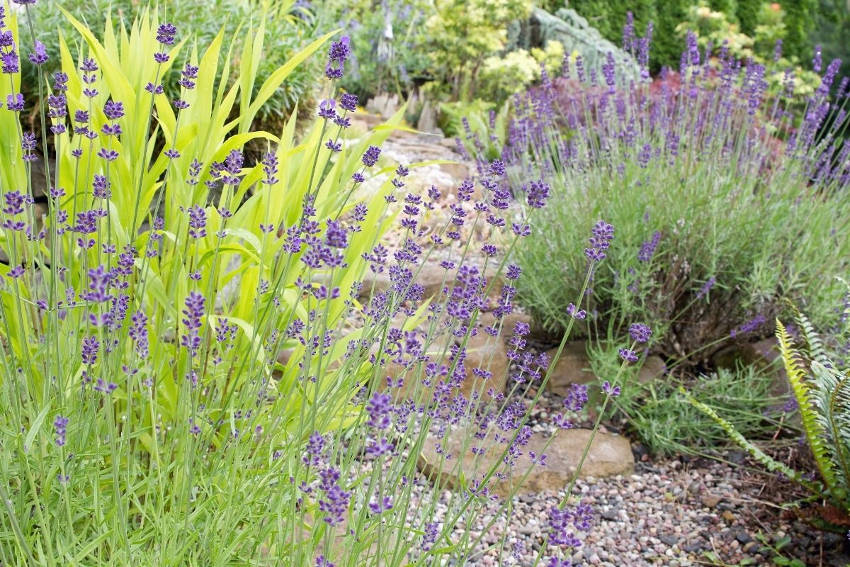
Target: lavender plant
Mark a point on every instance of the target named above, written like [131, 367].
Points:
[189, 373]
[725, 200]
[727, 197]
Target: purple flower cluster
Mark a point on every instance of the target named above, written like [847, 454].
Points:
[193, 313]
[338, 53]
[335, 501]
[647, 249]
[628, 355]
[563, 523]
[59, 427]
[706, 287]
[749, 326]
[600, 240]
[640, 332]
[538, 192]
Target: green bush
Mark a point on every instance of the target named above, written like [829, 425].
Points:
[832, 32]
[717, 221]
[382, 63]
[442, 46]
[287, 32]
[715, 27]
[607, 16]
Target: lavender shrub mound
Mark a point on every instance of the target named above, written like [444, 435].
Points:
[728, 197]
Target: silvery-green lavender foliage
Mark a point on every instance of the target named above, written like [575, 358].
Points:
[725, 199]
[152, 418]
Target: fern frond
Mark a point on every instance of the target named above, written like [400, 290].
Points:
[813, 344]
[757, 454]
[838, 414]
[812, 412]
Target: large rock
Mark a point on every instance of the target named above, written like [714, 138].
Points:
[432, 277]
[763, 354]
[384, 104]
[482, 351]
[573, 367]
[609, 455]
[653, 368]
[428, 119]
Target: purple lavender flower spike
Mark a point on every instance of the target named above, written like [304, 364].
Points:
[193, 313]
[628, 355]
[602, 235]
[371, 155]
[89, 350]
[166, 34]
[337, 55]
[59, 426]
[39, 54]
[348, 102]
[640, 332]
[113, 110]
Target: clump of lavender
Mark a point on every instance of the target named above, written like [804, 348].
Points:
[205, 297]
[702, 170]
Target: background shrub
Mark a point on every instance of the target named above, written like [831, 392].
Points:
[607, 16]
[832, 31]
[381, 62]
[288, 30]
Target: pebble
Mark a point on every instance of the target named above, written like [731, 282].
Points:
[635, 526]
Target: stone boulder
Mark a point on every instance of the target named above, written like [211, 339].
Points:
[573, 367]
[384, 104]
[432, 277]
[653, 369]
[482, 351]
[763, 354]
[428, 119]
[609, 455]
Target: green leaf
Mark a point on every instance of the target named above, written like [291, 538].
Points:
[277, 77]
[36, 425]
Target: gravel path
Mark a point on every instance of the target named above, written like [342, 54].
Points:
[669, 513]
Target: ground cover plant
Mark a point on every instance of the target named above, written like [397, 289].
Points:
[189, 374]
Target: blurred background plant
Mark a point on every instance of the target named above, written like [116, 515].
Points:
[766, 46]
[289, 28]
[751, 16]
[832, 32]
[387, 38]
